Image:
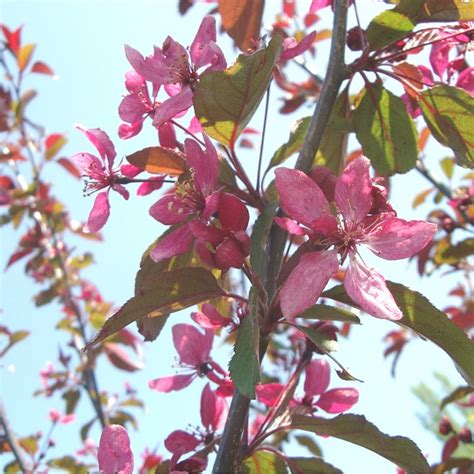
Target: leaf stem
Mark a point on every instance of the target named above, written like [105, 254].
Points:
[262, 142]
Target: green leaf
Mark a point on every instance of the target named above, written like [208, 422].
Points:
[319, 339]
[259, 239]
[294, 143]
[447, 165]
[306, 465]
[225, 101]
[68, 464]
[453, 254]
[264, 462]
[437, 10]
[310, 444]
[332, 151]
[84, 432]
[456, 395]
[357, 430]
[386, 131]
[448, 112]
[421, 316]
[71, 397]
[171, 292]
[244, 366]
[388, 27]
[330, 313]
[12, 468]
[158, 160]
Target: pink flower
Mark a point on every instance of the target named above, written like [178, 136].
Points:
[316, 393]
[194, 349]
[56, 417]
[194, 205]
[362, 217]
[214, 411]
[172, 67]
[101, 175]
[291, 48]
[89, 447]
[115, 455]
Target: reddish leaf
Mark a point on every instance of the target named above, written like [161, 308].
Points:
[53, 144]
[24, 55]
[18, 256]
[242, 20]
[120, 358]
[69, 167]
[158, 160]
[42, 68]
[449, 448]
[13, 38]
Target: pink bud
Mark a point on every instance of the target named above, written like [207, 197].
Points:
[115, 455]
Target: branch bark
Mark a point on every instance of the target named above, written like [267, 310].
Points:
[229, 448]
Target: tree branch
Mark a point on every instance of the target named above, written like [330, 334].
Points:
[229, 447]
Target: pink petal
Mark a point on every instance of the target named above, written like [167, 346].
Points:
[229, 254]
[135, 83]
[153, 183]
[318, 374]
[232, 213]
[213, 409]
[102, 142]
[169, 210]
[204, 164]
[213, 56]
[130, 171]
[172, 382]
[173, 106]
[121, 189]
[192, 346]
[167, 136]
[268, 393]
[126, 130]
[132, 109]
[206, 233]
[291, 49]
[85, 161]
[195, 126]
[307, 281]
[396, 238]
[180, 442]
[114, 454]
[353, 193]
[367, 288]
[466, 80]
[205, 34]
[99, 214]
[300, 197]
[439, 56]
[317, 5]
[338, 400]
[175, 243]
[290, 226]
[209, 317]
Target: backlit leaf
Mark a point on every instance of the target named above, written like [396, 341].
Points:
[259, 239]
[244, 366]
[264, 462]
[456, 395]
[437, 10]
[357, 430]
[53, 145]
[242, 20]
[225, 101]
[314, 465]
[386, 131]
[421, 316]
[330, 313]
[42, 68]
[158, 160]
[24, 55]
[448, 112]
[387, 27]
[172, 291]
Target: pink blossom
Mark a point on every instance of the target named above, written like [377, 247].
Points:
[115, 455]
[176, 69]
[214, 411]
[209, 318]
[316, 393]
[317, 5]
[89, 447]
[194, 349]
[362, 218]
[101, 175]
[57, 417]
[292, 48]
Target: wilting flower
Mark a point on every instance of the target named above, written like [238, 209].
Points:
[194, 349]
[100, 175]
[172, 67]
[115, 455]
[316, 393]
[361, 218]
[213, 416]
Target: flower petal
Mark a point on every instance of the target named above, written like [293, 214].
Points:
[114, 454]
[102, 142]
[291, 48]
[307, 281]
[396, 238]
[353, 193]
[205, 34]
[175, 243]
[338, 400]
[318, 374]
[172, 382]
[169, 210]
[192, 346]
[213, 409]
[268, 393]
[180, 442]
[300, 197]
[367, 288]
[232, 213]
[86, 162]
[173, 106]
[99, 214]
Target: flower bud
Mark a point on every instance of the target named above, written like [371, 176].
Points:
[355, 39]
[465, 435]
[445, 426]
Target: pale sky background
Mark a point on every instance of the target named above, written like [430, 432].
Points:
[83, 42]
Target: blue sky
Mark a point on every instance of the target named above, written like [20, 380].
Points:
[83, 42]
